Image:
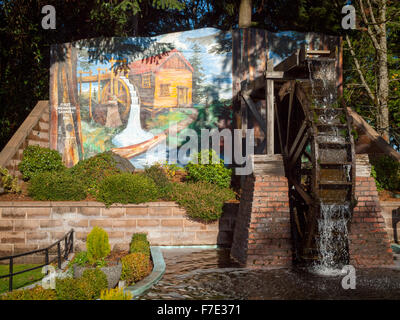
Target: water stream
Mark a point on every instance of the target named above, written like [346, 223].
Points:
[211, 274]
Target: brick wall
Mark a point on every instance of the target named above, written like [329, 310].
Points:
[262, 234]
[369, 244]
[30, 225]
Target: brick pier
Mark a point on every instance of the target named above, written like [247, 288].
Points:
[262, 234]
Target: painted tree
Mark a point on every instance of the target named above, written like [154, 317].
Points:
[198, 74]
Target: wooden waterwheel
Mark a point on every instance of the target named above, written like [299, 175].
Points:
[117, 89]
[318, 149]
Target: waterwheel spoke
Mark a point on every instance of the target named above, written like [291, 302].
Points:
[298, 137]
[299, 149]
[291, 94]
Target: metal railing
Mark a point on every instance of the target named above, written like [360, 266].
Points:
[68, 248]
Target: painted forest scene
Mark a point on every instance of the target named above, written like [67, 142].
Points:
[130, 90]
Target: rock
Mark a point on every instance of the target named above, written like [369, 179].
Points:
[113, 273]
[113, 119]
[122, 164]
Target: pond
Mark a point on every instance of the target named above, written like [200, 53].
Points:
[211, 274]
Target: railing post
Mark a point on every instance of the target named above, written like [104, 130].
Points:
[11, 271]
[59, 255]
[66, 249]
[46, 258]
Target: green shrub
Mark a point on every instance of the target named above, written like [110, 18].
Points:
[127, 188]
[160, 178]
[386, 172]
[115, 294]
[202, 201]
[81, 259]
[36, 293]
[57, 186]
[97, 245]
[36, 159]
[9, 183]
[140, 244]
[213, 172]
[93, 170]
[87, 287]
[135, 266]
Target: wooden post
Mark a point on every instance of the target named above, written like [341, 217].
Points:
[90, 96]
[98, 84]
[269, 97]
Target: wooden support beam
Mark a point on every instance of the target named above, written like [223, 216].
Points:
[269, 97]
[255, 112]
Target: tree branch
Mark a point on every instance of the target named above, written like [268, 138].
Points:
[366, 22]
[357, 64]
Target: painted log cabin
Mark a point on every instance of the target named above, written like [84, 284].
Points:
[163, 81]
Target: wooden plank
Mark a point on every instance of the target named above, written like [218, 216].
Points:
[291, 88]
[299, 135]
[255, 112]
[289, 63]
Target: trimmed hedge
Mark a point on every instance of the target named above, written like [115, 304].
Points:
[202, 200]
[36, 160]
[213, 172]
[160, 178]
[135, 266]
[56, 186]
[93, 170]
[36, 293]
[127, 188]
[87, 287]
[140, 244]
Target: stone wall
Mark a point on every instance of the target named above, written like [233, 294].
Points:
[262, 234]
[30, 225]
[33, 131]
[391, 215]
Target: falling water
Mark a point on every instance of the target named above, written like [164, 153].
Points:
[133, 133]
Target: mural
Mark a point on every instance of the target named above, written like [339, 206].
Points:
[124, 94]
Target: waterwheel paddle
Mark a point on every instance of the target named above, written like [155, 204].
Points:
[318, 149]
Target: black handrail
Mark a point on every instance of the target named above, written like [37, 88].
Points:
[68, 248]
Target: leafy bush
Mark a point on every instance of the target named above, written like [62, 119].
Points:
[140, 244]
[160, 178]
[87, 287]
[386, 172]
[135, 266]
[127, 188]
[57, 186]
[36, 159]
[115, 294]
[97, 245]
[93, 170]
[8, 182]
[36, 293]
[213, 172]
[202, 200]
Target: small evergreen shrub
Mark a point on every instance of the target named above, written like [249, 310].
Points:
[115, 294]
[56, 186]
[160, 178]
[93, 170]
[8, 182]
[140, 244]
[36, 293]
[213, 172]
[36, 159]
[97, 245]
[202, 200]
[127, 188]
[135, 266]
[87, 287]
